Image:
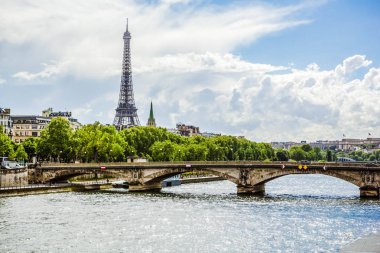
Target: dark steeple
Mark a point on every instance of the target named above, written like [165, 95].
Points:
[151, 120]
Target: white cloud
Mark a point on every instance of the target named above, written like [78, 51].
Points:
[304, 104]
[182, 60]
[214, 62]
[2, 80]
[88, 38]
[351, 64]
[50, 70]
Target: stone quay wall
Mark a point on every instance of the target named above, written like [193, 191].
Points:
[13, 177]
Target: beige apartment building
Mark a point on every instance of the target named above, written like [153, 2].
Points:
[26, 126]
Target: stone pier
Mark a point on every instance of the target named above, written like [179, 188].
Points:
[256, 190]
[153, 187]
[369, 192]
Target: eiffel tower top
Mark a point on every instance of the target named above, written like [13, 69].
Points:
[127, 34]
[126, 111]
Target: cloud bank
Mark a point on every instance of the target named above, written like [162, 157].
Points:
[183, 60]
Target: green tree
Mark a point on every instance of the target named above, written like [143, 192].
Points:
[329, 157]
[166, 151]
[306, 148]
[282, 155]
[30, 146]
[95, 142]
[20, 154]
[297, 153]
[56, 138]
[6, 147]
[196, 152]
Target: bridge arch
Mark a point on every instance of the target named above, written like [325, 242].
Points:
[64, 175]
[159, 176]
[265, 177]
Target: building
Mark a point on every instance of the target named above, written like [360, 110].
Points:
[187, 130]
[344, 145]
[353, 144]
[26, 126]
[126, 111]
[151, 120]
[6, 121]
[49, 113]
[284, 144]
[324, 145]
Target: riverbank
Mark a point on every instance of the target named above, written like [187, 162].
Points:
[35, 190]
[44, 189]
[369, 244]
[83, 186]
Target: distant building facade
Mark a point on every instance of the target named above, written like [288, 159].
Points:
[344, 144]
[189, 130]
[49, 113]
[283, 144]
[6, 121]
[26, 126]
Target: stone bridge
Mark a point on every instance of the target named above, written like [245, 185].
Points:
[250, 177]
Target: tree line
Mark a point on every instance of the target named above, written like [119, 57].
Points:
[103, 143]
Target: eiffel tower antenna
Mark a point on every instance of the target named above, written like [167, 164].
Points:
[126, 111]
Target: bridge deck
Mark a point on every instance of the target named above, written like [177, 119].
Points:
[205, 165]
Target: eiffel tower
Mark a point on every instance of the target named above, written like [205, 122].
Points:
[126, 111]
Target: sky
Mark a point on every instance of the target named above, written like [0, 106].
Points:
[268, 70]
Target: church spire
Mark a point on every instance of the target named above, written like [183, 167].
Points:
[151, 120]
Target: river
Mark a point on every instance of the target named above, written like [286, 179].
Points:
[299, 213]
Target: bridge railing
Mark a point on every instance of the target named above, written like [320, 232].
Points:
[100, 164]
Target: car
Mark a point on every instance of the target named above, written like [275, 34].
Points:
[345, 160]
[304, 162]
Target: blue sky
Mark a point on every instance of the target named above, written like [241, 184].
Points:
[269, 70]
[338, 29]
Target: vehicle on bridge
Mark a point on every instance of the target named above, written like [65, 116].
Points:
[8, 164]
[345, 160]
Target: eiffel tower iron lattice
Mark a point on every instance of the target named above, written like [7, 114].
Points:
[126, 111]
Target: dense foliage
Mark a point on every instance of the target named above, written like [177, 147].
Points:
[99, 143]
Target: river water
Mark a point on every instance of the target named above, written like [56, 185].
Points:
[299, 213]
